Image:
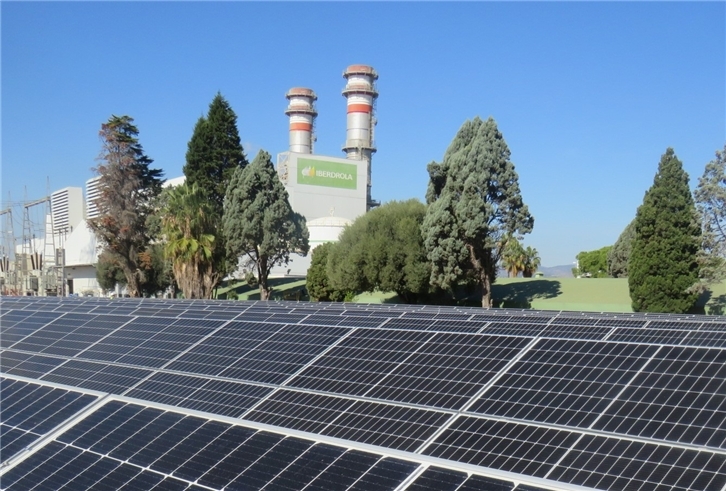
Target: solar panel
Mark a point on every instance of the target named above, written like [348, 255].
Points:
[27, 364]
[361, 421]
[479, 483]
[96, 376]
[572, 331]
[202, 394]
[123, 444]
[712, 339]
[564, 382]
[150, 344]
[70, 334]
[362, 397]
[512, 447]
[438, 479]
[447, 370]
[29, 411]
[16, 325]
[513, 329]
[648, 335]
[680, 397]
[246, 352]
[608, 463]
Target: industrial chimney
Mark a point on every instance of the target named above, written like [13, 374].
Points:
[361, 95]
[301, 111]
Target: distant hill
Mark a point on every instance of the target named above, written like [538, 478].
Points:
[564, 271]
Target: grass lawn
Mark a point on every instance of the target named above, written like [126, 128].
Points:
[573, 294]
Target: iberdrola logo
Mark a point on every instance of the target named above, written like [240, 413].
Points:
[308, 171]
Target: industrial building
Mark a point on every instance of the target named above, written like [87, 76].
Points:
[330, 192]
[57, 252]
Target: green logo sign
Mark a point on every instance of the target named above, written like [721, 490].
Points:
[324, 173]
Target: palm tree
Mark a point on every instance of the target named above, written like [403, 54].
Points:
[532, 261]
[189, 228]
[513, 257]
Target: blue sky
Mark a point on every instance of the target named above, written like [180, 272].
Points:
[587, 95]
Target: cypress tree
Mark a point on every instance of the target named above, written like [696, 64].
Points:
[475, 205]
[259, 222]
[663, 263]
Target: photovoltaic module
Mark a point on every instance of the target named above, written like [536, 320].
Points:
[142, 394]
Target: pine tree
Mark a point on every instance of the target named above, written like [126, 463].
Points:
[475, 204]
[214, 151]
[259, 222]
[127, 188]
[663, 264]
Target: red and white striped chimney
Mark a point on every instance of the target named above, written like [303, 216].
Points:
[302, 113]
[361, 95]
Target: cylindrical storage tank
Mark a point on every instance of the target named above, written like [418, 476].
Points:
[361, 94]
[302, 113]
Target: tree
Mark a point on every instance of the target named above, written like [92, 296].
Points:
[383, 250]
[667, 236]
[594, 264]
[710, 199]
[190, 228]
[259, 222]
[531, 263]
[213, 154]
[108, 272]
[474, 206]
[317, 283]
[127, 187]
[619, 254]
[514, 258]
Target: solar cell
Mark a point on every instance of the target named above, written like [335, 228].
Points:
[512, 447]
[680, 396]
[564, 382]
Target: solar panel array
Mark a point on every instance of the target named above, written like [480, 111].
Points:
[209, 395]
